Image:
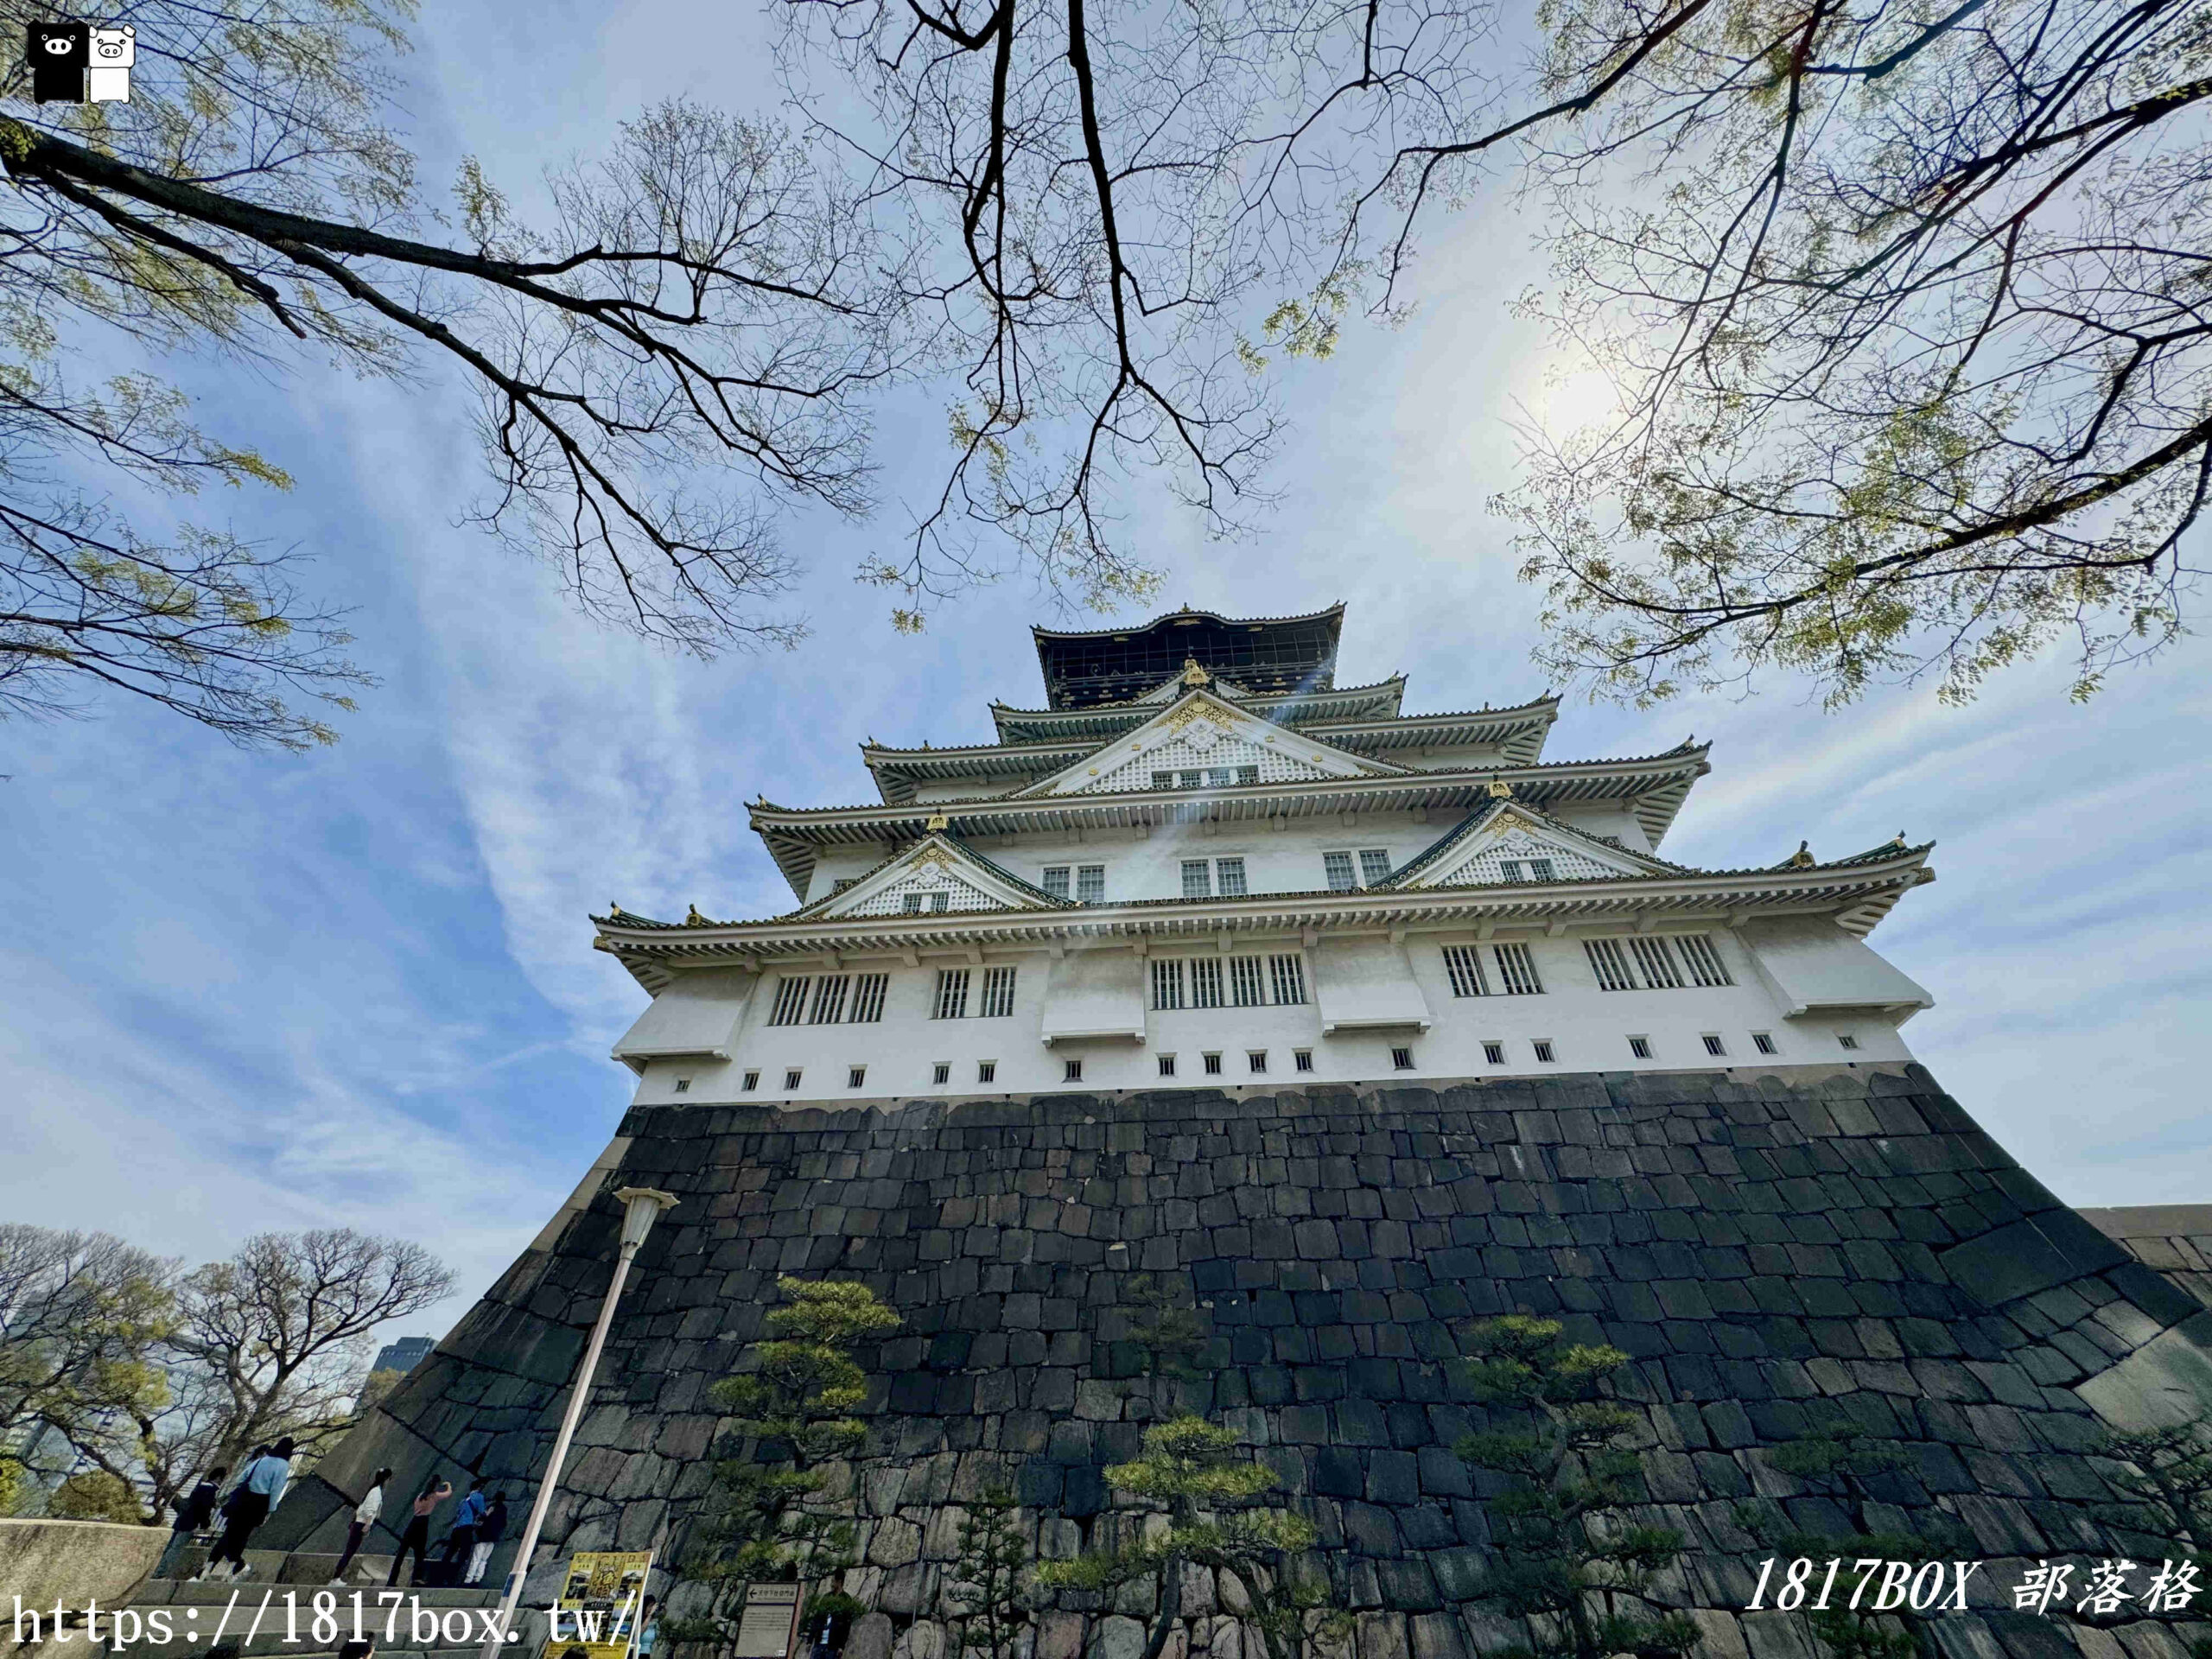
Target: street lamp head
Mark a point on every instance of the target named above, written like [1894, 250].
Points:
[643, 1205]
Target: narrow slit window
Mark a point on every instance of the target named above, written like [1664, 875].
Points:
[1302, 1058]
[1705, 964]
[867, 998]
[1764, 1042]
[829, 998]
[1494, 1052]
[951, 995]
[1657, 962]
[855, 1075]
[1846, 1039]
[1056, 880]
[1090, 883]
[1338, 867]
[1071, 1071]
[1463, 964]
[791, 1001]
[1213, 1065]
[1167, 983]
[941, 1073]
[1640, 1046]
[987, 1070]
[1544, 1055]
[1516, 970]
[1256, 1060]
[1246, 989]
[1401, 1059]
[1713, 1045]
[791, 1080]
[1374, 866]
[752, 1082]
[1288, 972]
[1206, 982]
[1166, 1066]
[1607, 962]
[998, 993]
[1229, 877]
[684, 1085]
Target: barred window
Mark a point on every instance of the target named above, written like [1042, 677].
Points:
[987, 1070]
[941, 1073]
[1213, 1065]
[1220, 777]
[791, 1001]
[1463, 963]
[1071, 1071]
[1713, 1045]
[1229, 876]
[1640, 1046]
[940, 901]
[951, 995]
[1657, 964]
[1288, 975]
[855, 1075]
[1163, 780]
[1248, 774]
[1338, 869]
[998, 993]
[1206, 982]
[1494, 1052]
[1195, 779]
[911, 904]
[1302, 1058]
[1244, 983]
[1256, 1059]
[1544, 1055]
[867, 998]
[1374, 866]
[752, 1082]
[1166, 1066]
[1090, 883]
[1401, 1059]
[1167, 983]
[791, 1079]
[1705, 964]
[1516, 970]
[1197, 879]
[1608, 964]
[829, 998]
[1539, 869]
[1764, 1042]
[1055, 880]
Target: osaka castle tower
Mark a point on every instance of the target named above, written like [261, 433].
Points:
[1214, 997]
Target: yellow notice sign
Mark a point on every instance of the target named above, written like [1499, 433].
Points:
[596, 1616]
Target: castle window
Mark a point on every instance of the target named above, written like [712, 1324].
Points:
[1195, 779]
[1544, 1055]
[998, 993]
[1197, 879]
[867, 998]
[1090, 883]
[752, 1082]
[1763, 1042]
[829, 998]
[684, 1085]
[941, 1073]
[1302, 1058]
[1256, 1059]
[1610, 966]
[1288, 973]
[1167, 983]
[1401, 1059]
[1846, 1039]
[1166, 1066]
[951, 995]
[1338, 867]
[1163, 780]
[1463, 965]
[1657, 962]
[1494, 1052]
[1206, 982]
[1056, 880]
[1640, 1046]
[911, 903]
[1244, 984]
[1713, 1045]
[1374, 866]
[1706, 966]
[1071, 1071]
[1248, 774]
[791, 1080]
[1220, 777]
[791, 1001]
[1213, 1065]
[987, 1070]
[940, 901]
[1229, 874]
[1517, 967]
[855, 1075]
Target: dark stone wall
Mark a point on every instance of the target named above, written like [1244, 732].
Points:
[1774, 1254]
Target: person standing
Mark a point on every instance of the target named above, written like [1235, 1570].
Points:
[259, 1492]
[492, 1529]
[461, 1542]
[364, 1516]
[417, 1536]
[193, 1513]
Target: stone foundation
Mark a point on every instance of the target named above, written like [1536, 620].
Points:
[1775, 1252]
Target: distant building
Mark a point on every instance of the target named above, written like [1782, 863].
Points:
[404, 1355]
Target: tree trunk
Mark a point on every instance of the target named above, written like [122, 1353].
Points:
[1170, 1605]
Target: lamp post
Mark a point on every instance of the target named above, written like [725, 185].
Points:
[643, 1205]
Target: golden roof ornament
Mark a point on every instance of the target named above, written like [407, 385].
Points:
[615, 907]
[1500, 790]
[1802, 858]
[1193, 675]
[937, 823]
[695, 920]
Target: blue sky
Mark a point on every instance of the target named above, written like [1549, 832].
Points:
[244, 992]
